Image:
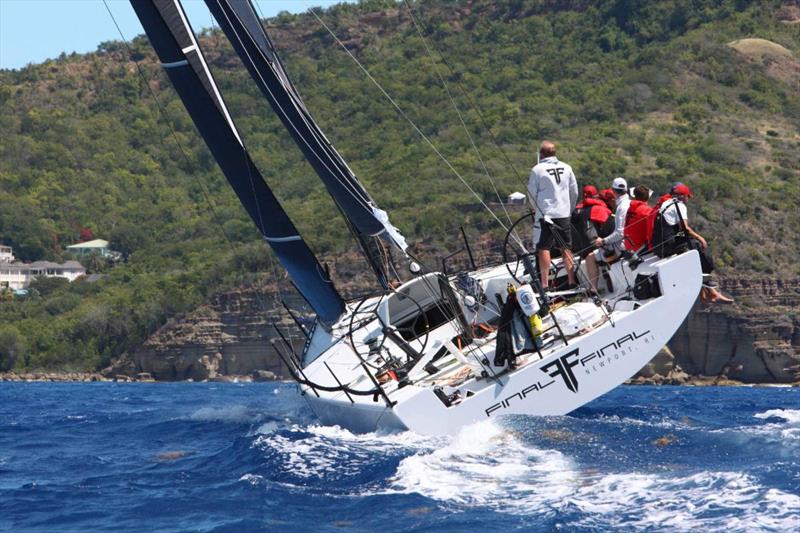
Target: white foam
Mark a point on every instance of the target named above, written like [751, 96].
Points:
[326, 450]
[253, 479]
[490, 466]
[266, 428]
[790, 415]
[487, 465]
[789, 430]
[703, 501]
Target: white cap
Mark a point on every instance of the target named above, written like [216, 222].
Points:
[619, 185]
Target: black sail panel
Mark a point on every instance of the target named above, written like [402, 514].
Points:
[241, 25]
[173, 39]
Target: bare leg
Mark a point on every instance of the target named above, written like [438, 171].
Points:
[716, 296]
[704, 297]
[569, 264]
[544, 267]
[592, 270]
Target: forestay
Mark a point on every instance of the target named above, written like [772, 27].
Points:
[169, 32]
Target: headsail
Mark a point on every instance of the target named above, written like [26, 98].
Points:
[239, 21]
[175, 43]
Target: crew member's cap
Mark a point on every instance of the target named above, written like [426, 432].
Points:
[676, 184]
[607, 195]
[619, 185]
[680, 188]
[589, 191]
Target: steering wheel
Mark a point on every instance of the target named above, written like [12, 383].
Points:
[362, 317]
[519, 269]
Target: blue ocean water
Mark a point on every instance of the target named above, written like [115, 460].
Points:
[251, 457]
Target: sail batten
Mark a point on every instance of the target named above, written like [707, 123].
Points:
[174, 41]
[244, 30]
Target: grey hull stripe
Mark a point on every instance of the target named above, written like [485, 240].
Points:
[175, 64]
[283, 239]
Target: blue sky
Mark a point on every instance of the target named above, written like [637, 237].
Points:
[34, 30]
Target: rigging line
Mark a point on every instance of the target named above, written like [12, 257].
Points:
[174, 134]
[275, 271]
[206, 195]
[485, 124]
[350, 188]
[181, 149]
[273, 266]
[499, 148]
[218, 94]
[413, 125]
[456, 109]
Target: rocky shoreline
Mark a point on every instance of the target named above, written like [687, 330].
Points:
[674, 377]
[142, 377]
[756, 341]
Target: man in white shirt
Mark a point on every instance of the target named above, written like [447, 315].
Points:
[553, 192]
[609, 248]
[675, 216]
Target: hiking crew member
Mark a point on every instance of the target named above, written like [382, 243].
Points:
[672, 235]
[637, 231]
[553, 191]
[589, 192]
[611, 247]
[591, 219]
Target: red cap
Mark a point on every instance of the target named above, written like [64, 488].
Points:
[608, 196]
[682, 189]
[589, 191]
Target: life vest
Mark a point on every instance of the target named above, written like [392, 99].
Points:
[599, 212]
[662, 241]
[637, 229]
[654, 234]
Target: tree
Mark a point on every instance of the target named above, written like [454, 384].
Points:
[12, 347]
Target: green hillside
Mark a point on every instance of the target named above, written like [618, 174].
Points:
[704, 92]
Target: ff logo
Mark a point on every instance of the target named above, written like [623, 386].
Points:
[556, 173]
[563, 367]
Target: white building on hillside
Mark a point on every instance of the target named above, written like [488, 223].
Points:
[6, 254]
[97, 246]
[16, 276]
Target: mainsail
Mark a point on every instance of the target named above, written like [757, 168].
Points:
[241, 25]
[169, 32]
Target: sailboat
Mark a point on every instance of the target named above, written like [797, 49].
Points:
[438, 350]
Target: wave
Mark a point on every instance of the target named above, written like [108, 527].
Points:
[307, 455]
[489, 466]
[790, 415]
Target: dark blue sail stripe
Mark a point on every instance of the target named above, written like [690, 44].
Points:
[173, 39]
[239, 21]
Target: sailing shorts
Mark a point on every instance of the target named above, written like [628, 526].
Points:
[555, 235]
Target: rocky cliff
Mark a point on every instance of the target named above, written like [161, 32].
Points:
[230, 336]
[756, 340]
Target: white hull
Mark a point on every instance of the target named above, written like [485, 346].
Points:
[565, 378]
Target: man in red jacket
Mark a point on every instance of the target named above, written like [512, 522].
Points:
[591, 219]
[637, 229]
